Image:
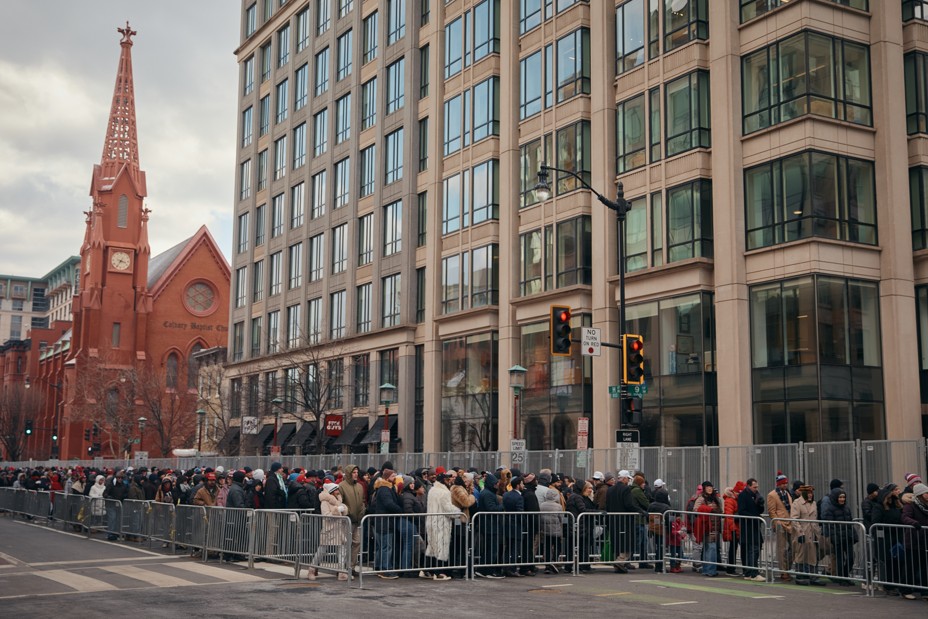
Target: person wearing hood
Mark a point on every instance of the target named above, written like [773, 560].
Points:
[869, 504]
[384, 501]
[487, 528]
[843, 534]
[889, 548]
[731, 527]
[551, 529]
[334, 532]
[97, 502]
[353, 497]
[915, 514]
[411, 499]
[659, 526]
[805, 536]
[580, 501]
[275, 489]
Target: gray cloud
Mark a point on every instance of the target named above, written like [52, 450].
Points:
[58, 61]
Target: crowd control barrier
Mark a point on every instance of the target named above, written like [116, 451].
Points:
[325, 543]
[711, 541]
[899, 558]
[822, 549]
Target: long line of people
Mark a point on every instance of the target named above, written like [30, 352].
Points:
[431, 507]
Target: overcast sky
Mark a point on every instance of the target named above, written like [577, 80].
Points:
[58, 61]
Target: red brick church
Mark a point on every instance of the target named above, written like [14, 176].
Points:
[137, 318]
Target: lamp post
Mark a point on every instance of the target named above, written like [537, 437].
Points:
[201, 415]
[277, 402]
[387, 396]
[517, 383]
[142, 422]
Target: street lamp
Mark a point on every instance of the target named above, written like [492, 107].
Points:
[517, 383]
[142, 422]
[201, 415]
[387, 396]
[277, 402]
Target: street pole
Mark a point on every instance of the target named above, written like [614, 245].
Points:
[387, 396]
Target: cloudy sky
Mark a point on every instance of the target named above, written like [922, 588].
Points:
[58, 61]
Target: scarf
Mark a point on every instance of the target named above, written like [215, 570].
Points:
[784, 497]
[921, 506]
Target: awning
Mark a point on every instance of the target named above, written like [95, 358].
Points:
[284, 433]
[306, 432]
[267, 431]
[373, 436]
[349, 436]
[230, 438]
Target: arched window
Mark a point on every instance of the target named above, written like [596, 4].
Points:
[192, 366]
[171, 371]
[122, 214]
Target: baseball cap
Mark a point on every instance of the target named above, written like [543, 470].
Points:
[598, 475]
[659, 483]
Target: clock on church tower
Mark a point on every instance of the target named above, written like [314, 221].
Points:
[120, 260]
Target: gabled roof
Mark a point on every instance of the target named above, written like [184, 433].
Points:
[161, 268]
[159, 264]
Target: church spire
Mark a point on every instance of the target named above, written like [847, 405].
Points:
[121, 147]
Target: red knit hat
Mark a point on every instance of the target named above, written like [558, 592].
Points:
[781, 478]
[739, 487]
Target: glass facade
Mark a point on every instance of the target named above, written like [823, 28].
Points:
[470, 393]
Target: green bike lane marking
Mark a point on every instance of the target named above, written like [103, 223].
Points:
[828, 590]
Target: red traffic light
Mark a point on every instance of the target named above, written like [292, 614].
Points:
[564, 316]
[635, 345]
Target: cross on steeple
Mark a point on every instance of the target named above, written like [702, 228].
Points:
[126, 33]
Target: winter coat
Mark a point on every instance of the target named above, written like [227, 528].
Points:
[777, 508]
[617, 498]
[551, 518]
[805, 534]
[867, 508]
[730, 527]
[116, 490]
[640, 502]
[334, 530]
[463, 500]
[751, 506]
[833, 512]
[352, 496]
[236, 496]
[136, 493]
[297, 497]
[97, 503]
[578, 504]
[915, 514]
[384, 500]
[513, 503]
[438, 526]
[275, 497]
[205, 497]
[658, 523]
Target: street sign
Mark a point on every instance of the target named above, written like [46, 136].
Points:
[590, 342]
[384, 436]
[628, 450]
[517, 447]
[583, 432]
[135, 441]
[581, 459]
[638, 390]
[615, 391]
[141, 456]
[275, 450]
[384, 447]
[249, 425]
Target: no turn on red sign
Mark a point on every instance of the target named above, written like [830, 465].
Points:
[591, 342]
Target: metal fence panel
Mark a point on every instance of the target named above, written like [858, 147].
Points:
[889, 461]
[390, 544]
[190, 526]
[705, 540]
[135, 517]
[827, 461]
[604, 538]
[325, 544]
[277, 536]
[683, 471]
[507, 541]
[899, 558]
[227, 532]
[161, 523]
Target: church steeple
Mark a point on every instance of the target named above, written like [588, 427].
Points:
[121, 147]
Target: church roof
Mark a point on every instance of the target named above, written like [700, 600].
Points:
[160, 264]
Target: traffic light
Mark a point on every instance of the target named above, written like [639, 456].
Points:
[633, 359]
[54, 434]
[87, 434]
[560, 330]
[29, 427]
[631, 412]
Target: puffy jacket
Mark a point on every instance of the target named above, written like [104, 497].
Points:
[236, 496]
[385, 500]
[833, 512]
[731, 526]
[463, 500]
[352, 496]
[551, 523]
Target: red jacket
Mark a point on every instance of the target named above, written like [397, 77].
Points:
[731, 526]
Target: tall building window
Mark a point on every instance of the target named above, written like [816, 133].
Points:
[256, 336]
[536, 254]
[316, 257]
[807, 73]
[245, 188]
[630, 132]
[337, 315]
[262, 170]
[241, 286]
[457, 123]
[276, 273]
[342, 182]
[370, 38]
[282, 90]
[323, 16]
[420, 295]
[911, 9]
[424, 71]
[685, 22]
[320, 193]
[486, 29]
[265, 62]
[343, 119]
[530, 86]
[344, 56]
[362, 379]
[531, 157]
[260, 215]
[302, 30]
[321, 133]
[454, 47]
[368, 171]
[299, 146]
[573, 64]
[364, 308]
[530, 14]
[636, 236]
[344, 7]
[251, 20]
[422, 219]
[486, 191]
[391, 301]
[918, 199]
[574, 252]
[687, 109]
[916, 92]
[322, 72]
[314, 321]
[368, 104]
[573, 153]
[280, 158]
[295, 266]
[629, 35]
[393, 161]
[455, 202]
[689, 221]
[423, 144]
[243, 233]
[264, 115]
[810, 194]
[340, 249]
[257, 287]
[484, 288]
[451, 284]
[396, 85]
[486, 108]
[238, 341]
[396, 20]
[283, 46]
[248, 75]
[751, 9]
[273, 332]
[297, 205]
[294, 326]
[247, 126]
[392, 228]
[301, 87]
[365, 239]
[277, 215]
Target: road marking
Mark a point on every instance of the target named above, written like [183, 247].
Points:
[706, 589]
[768, 597]
[550, 586]
[154, 579]
[87, 561]
[76, 581]
[83, 536]
[603, 595]
[217, 572]
[678, 603]
[13, 560]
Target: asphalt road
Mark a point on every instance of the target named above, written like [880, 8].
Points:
[46, 572]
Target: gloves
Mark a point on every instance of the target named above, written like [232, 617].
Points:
[802, 539]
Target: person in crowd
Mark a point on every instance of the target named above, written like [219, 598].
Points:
[689, 522]
[551, 529]
[779, 504]
[514, 506]
[869, 504]
[438, 524]
[639, 504]
[462, 496]
[708, 527]
[621, 527]
[352, 495]
[97, 500]
[751, 508]
[384, 501]
[117, 489]
[731, 527]
[411, 497]
[580, 501]
[915, 514]
[806, 537]
[488, 528]
[889, 546]
[334, 532]
[275, 488]
[659, 525]
[235, 499]
[842, 534]
[206, 496]
[532, 508]
[910, 480]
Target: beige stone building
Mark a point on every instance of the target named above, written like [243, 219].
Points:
[388, 227]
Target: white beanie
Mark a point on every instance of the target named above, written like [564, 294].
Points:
[330, 487]
[220, 469]
[258, 474]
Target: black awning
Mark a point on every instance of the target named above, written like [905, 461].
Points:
[267, 431]
[373, 435]
[230, 438]
[284, 433]
[306, 432]
[349, 436]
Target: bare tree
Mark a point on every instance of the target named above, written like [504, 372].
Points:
[214, 400]
[17, 404]
[476, 429]
[168, 405]
[105, 396]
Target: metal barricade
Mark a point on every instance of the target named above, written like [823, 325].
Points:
[899, 559]
[6, 500]
[835, 550]
[275, 535]
[504, 542]
[190, 526]
[711, 541]
[325, 544]
[606, 538]
[135, 518]
[43, 505]
[161, 525]
[227, 532]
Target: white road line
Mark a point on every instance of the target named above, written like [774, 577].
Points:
[88, 561]
[76, 581]
[678, 603]
[13, 560]
[217, 572]
[768, 597]
[276, 569]
[147, 576]
[551, 586]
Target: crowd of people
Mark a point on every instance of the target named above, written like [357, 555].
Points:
[520, 519]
